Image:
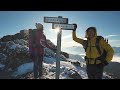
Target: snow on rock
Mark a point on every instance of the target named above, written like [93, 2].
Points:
[23, 69]
[67, 69]
[2, 66]
[21, 42]
[15, 52]
[62, 58]
[49, 71]
[50, 60]
[11, 46]
[76, 57]
[2, 57]
[49, 52]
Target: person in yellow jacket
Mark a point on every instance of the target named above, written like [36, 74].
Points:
[94, 66]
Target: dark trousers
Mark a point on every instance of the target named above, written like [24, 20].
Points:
[38, 66]
[95, 71]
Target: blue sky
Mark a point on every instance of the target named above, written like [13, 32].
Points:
[106, 22]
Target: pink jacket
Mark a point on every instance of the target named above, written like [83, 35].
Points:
[40, 40]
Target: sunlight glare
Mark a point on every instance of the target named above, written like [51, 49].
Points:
[56, 30]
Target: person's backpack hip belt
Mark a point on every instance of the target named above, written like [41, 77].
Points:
[95, 61]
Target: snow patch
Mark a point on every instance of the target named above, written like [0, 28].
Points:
[23, 69]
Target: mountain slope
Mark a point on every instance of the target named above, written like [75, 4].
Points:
[16, 64]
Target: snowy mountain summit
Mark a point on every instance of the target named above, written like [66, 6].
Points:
[16, 64]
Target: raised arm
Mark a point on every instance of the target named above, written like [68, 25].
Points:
[75, 38]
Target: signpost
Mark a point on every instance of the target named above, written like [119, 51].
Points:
[61, 23]
[58, 20]
[64, 26]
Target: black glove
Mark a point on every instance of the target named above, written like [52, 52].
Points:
[75, 27]
[74, 30]
[105, 63]
[54, 49]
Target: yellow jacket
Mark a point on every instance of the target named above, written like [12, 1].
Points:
[93, 52]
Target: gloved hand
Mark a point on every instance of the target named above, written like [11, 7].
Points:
[75, 27]
[105, 63]
[54, 48]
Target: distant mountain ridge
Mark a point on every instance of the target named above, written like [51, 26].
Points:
[74, 50]
[80, 50]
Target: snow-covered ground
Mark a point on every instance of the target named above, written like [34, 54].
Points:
[66, 68]
[23, 69]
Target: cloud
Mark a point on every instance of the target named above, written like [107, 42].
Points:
[70, 44]
[66, 37]
[67, 41]
[63, 38]
[114, 40]
[108, 36]
[53, 40]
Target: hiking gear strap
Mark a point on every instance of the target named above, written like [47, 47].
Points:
[97, 45]
[85, 44]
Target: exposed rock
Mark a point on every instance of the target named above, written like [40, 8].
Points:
[24, 34]
[75, 75]
[49, 52]
[62, 58]
[65, 54]
[51, 44]
[6, 38]
[76, 63]
[14, 52]
[4, 75]
[113, 69]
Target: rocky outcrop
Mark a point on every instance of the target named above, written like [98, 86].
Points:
[14, 51]
[113, 69]
[65, 54]
[75, 75]
[23, 34]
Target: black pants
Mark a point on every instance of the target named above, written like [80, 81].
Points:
[38, 61]
[95, 71]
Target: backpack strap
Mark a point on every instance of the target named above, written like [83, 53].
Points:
[33, 36]
[97, 44]
[85, 44]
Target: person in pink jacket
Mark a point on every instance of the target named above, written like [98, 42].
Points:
[37, 43]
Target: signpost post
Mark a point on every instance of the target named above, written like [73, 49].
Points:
[58, 53]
